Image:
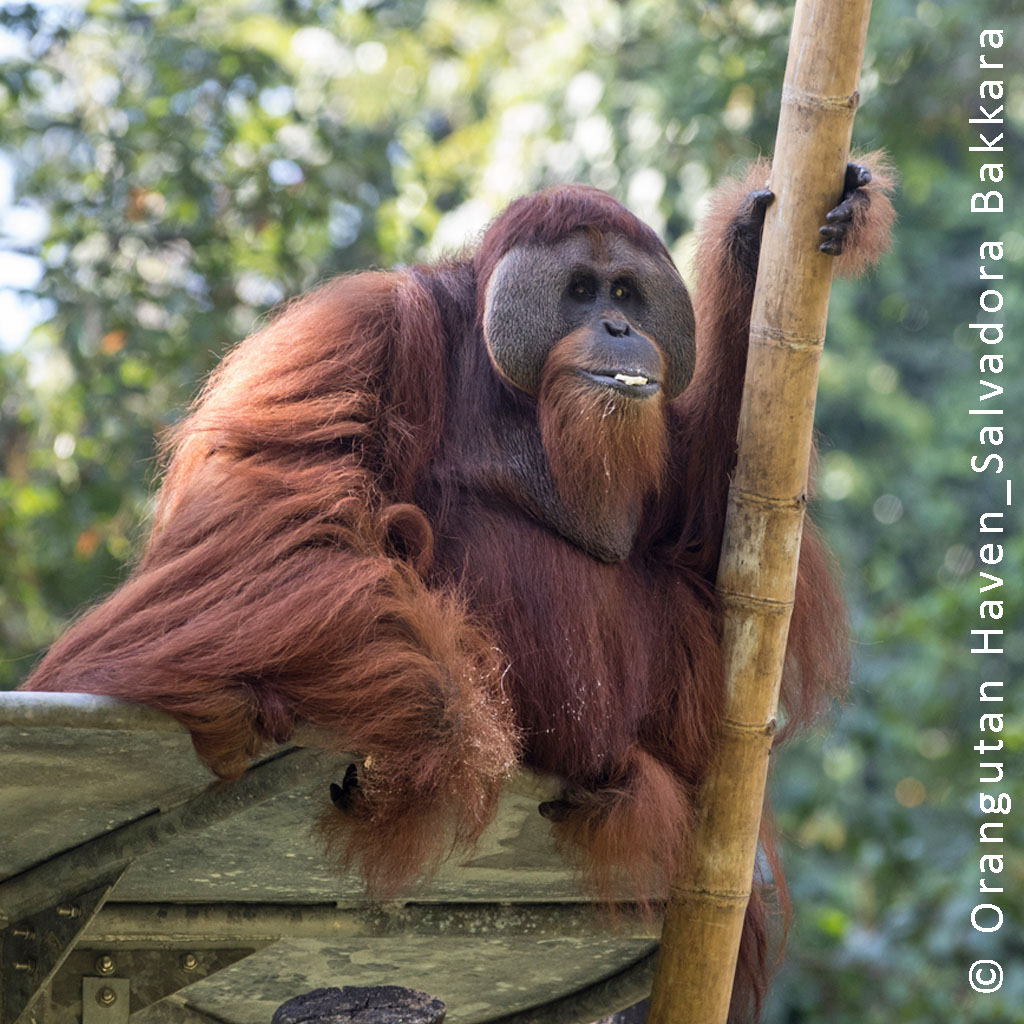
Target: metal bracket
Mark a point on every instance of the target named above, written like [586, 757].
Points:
[33, 948]
[106, 1000]
[145, 976]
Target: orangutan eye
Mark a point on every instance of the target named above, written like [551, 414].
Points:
[621, 290]
[582, 288]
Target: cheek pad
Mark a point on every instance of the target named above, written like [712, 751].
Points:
[669, 321]
[521, 313]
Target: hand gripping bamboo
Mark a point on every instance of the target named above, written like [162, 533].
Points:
[757, 570]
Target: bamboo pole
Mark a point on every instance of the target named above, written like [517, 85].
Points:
[758, 565]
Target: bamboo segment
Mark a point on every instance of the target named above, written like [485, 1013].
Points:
[757, 570]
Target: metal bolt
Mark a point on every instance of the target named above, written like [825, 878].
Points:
[69, 910]
[106, 996]
[28, 965]
[23, 933]
[189, 962]
[105, 965]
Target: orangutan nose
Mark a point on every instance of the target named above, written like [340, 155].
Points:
[616, 328]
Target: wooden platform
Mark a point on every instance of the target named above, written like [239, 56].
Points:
[131, 882]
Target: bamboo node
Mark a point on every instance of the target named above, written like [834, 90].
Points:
[765, 605]
[779, 338]
[765, 502]
[716, 897]
[827, 104]
[751, 728]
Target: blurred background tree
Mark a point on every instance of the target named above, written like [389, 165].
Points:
[169, 171]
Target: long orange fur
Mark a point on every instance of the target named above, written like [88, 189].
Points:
[315, 558]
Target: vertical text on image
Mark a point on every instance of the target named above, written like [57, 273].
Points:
[987, 641]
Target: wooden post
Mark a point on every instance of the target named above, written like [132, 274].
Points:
[383, 1004]
[757, 571]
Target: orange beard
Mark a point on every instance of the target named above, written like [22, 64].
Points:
[607, 450]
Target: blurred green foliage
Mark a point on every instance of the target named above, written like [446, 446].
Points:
[194, 164]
